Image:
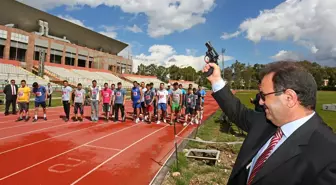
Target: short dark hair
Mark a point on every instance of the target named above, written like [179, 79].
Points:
[65, 81]
[105, 84]
[135, 82]
[161, 83]
[23, 81]
[113, 84]
[290, 75]
[94, 81]
[151, 84]
[175, 84]
[79, 84]
[119, 83]
[35, 84]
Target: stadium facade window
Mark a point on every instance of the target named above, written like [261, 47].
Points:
[56, 56]
[2, 50]
[19, 37]
[17, 51]
[81, 60]
[70, 59]
[3, 34]
[37, 53]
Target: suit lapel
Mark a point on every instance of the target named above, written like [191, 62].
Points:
[290, 148]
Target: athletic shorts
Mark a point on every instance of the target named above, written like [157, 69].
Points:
[136, 105]
[43, 104]
[23, 106]
[162, 106]
[149, 108]
[198, 107]
[79, 106]
[189, 110]
[106, 107]
[175, 107]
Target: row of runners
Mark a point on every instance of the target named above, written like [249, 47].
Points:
[149, 104]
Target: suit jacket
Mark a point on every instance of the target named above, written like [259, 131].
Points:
[8, 91]
[307, 157]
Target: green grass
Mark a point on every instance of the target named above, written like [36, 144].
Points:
[198, 172]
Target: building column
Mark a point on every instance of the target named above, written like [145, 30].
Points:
[48, 52]
[63, 56]
[7, 44]
[76, 58]
[30, 53]
[87, 61]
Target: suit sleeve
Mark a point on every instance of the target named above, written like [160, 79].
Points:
[237, 112]
[327, 176]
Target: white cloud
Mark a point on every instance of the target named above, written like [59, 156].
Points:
[287, 55]
[134, 29]
[310, 23]
[166, 55]
[164, 16]
[109, 31]
[226, 36]
[73, 20]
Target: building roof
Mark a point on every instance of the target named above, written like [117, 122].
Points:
[26, 18]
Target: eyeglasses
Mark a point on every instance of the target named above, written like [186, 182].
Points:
[263, 96]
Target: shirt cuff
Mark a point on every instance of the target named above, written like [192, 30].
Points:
[218, 85]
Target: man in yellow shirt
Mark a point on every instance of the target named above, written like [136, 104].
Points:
[23, 100]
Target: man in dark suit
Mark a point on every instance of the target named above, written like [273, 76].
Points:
[289, 144]
[10, 91]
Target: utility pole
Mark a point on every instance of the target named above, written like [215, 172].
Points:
[223, 51]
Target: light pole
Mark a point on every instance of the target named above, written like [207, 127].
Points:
[223, 51]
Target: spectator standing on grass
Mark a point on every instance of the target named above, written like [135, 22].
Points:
[119, 102]
[190, 104]
[79, 102]
[289, 144]
[175, 102]
[149, 100]
[10, 92]
[255, 101]
[66, 95]
[41, 95]
[162, 95]
[23, 101]
[136, 95]
[106, 95]
[50, 90]
[94, 94]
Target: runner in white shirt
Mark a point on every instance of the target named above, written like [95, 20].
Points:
[162, 95]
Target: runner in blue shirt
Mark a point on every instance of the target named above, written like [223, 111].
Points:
[41, 95]
[136, 94]
[119, 102]
[184, 92]
[203, 93]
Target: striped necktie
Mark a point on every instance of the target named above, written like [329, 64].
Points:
[264, 156]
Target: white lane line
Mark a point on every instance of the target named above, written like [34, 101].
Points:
[3, 178]
[40, 141]
[121, 151]
[35, 131]
[36, 123]
[101, 147]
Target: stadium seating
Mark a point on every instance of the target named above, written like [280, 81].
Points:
[9, 72]
[156, 82]
[85, 77]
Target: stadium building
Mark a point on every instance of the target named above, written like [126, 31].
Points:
[29, 37]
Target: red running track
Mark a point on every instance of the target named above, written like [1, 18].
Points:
[54, 152]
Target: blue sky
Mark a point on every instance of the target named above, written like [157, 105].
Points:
[267, 30]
